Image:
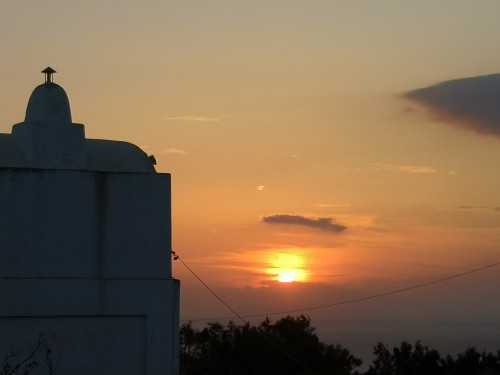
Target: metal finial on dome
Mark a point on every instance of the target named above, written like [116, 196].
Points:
[48, 71]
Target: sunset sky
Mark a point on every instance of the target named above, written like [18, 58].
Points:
[307, 141]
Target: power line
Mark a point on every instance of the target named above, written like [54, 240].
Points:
[380, 294]
[482, 340]
[274, 345]
[177, 257]
[361, 299]
[374, 296]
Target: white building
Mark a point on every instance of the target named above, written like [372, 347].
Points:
[85, 249]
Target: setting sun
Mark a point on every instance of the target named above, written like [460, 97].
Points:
[287, 276]
[288, 268]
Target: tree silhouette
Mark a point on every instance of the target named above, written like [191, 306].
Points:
[472, 362]
[289, 346]
[21, 363]
[417, 359]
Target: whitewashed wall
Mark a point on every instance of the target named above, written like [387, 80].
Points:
[85, 260]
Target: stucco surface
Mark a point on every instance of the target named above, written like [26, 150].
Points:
[85, 260]
[85, 248]
[84, 224]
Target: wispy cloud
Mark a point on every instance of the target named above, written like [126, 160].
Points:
[174, 151]
[474, 208]
[323, 223]
[333, 205]
[397, 168]
[401, 168]
[194, 118]
[471, 103]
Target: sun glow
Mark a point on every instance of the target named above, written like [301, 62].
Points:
[288, 268]
[287, 276]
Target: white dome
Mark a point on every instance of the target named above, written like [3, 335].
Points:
[48, 102]
[48, 139]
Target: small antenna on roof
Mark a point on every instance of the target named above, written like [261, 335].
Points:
[48, 71]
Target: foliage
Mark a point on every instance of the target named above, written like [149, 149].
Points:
[417, 359]
[406, 360]
[289, 346]
[20, 363]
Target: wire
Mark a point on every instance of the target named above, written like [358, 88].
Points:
[379, 295]
[374, 296]
[177, 257]
[274, 345]
[483, 340]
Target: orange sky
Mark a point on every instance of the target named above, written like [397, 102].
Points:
[292, 108]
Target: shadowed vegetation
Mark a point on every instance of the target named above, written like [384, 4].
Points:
[290, 346]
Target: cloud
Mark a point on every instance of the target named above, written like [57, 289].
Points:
[381, 167]
[474, 208]
[401, 168]
[324, 223]
[190, 118]
[471, 103]
[174, 151]
[332, 205]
